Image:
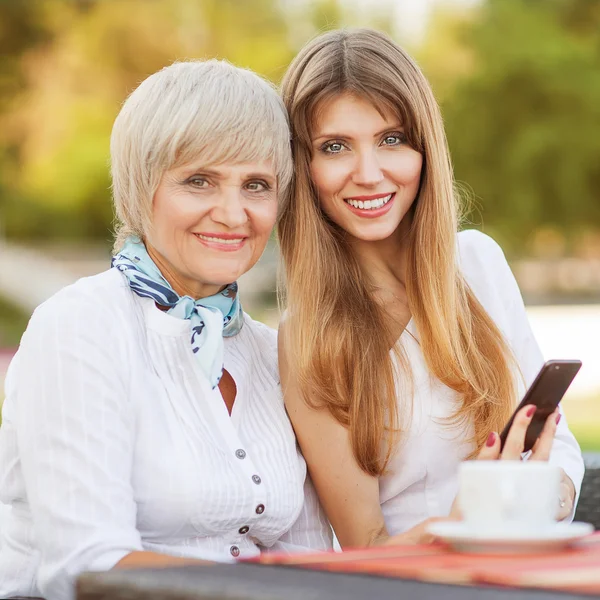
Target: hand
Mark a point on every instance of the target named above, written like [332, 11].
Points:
[515, 441]
[417, 535]
[566, 496]
[514, 446]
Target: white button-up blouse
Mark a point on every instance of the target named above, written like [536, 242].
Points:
[422, 478]
[113, 441]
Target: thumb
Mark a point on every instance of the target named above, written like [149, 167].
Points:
[491, 449]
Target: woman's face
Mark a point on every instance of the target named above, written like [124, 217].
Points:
[366, 174]
[211, 224]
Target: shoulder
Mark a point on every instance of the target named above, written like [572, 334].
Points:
[263, 334]
[478, 251]
[96, 300]
[488, 274]
[481, 260]
[258, 344]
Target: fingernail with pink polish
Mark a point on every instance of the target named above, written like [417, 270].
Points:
[531, 410]
[558, 417]
[491, 440]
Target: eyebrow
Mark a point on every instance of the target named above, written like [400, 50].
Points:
[219, 175]
[334, 135]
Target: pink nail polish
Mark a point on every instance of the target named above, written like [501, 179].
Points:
[558, 417]
[531, 410]
[491, 439]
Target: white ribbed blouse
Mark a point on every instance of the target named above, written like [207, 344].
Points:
[113, 441]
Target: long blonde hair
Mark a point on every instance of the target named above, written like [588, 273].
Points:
[339, 348]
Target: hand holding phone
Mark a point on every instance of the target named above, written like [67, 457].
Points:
[545, 393]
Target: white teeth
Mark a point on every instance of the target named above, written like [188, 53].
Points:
[369, 204]
[219, 240]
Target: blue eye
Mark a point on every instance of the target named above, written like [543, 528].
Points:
[332, 147]
[394, 139]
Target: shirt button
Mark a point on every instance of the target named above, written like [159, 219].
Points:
[244, 529]
[240, 453]
[235, 551]
[256, 479]
[260, 509]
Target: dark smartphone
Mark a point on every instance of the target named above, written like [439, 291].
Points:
[545, 392]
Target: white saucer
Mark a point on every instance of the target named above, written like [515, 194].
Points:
[465, 538]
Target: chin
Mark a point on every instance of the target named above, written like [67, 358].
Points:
[373, 234]
[220, 277]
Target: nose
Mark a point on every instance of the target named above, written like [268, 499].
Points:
[230, 210]
[368, 170]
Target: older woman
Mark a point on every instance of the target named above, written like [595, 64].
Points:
[143, 421]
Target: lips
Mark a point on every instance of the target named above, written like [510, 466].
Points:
[369, 203]
[225, 242]
[370, 207]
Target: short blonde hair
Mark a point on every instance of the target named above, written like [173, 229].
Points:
[208, 110]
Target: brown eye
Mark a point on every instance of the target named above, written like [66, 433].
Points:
[257, 186]
[198, 182]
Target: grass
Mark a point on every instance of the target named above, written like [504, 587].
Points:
[583, 416]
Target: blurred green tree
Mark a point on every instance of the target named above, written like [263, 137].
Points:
[523, 120]
[71, 72]
[70, 64]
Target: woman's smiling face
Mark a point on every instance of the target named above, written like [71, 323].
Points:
[211, 224]
[366, 174]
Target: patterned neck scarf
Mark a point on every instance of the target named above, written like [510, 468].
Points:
[210, 318]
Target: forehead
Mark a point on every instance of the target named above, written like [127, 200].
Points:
[347, 112]
[231, 170]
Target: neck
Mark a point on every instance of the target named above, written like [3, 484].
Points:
[182, 285]
[385, 260]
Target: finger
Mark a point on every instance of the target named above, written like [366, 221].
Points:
[515, 441]
[543, 445]
[491, 448]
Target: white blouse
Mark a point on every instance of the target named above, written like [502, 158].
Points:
[113, 441]
[422, 478]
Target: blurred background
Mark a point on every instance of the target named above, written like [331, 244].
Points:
[519, 85]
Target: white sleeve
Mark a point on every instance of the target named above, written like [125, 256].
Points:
[508, 305]
[311, 532]
[75, 436]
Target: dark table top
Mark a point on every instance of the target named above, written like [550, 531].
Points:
[262, 582]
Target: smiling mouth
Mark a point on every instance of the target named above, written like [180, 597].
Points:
[220, 240]
[372, 204]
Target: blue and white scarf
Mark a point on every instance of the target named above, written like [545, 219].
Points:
[211, 318]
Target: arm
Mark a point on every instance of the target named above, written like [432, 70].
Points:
[349, 496]
[76, 434]
[154, 559]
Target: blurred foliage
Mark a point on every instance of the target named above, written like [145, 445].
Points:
[521, 102]
[68, 65]
[519, 82]
[12, 324]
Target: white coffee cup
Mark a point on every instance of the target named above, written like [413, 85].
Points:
[499, 495]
